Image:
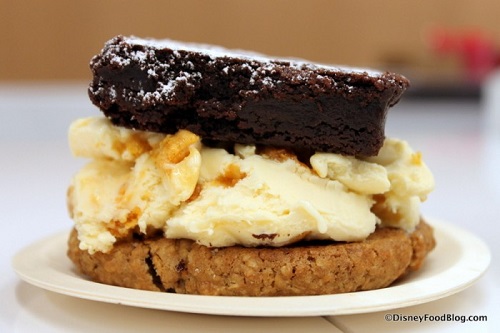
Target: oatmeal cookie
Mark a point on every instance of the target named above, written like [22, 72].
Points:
[182, 266]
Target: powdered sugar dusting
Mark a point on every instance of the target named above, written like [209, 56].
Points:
[214, 52]
[168, 72]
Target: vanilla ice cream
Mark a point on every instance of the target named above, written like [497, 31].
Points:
[144, 181]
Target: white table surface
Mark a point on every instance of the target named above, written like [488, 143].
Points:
[36, 166]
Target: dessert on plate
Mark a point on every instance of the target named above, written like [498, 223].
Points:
[221, 172]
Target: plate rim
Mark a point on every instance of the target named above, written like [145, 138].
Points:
[34, 267]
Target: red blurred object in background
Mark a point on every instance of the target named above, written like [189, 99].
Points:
[475, 48]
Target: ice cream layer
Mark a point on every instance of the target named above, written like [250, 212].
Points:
[144, 181]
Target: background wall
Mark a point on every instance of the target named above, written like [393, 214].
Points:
[54, 40]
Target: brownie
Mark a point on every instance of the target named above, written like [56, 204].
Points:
[182, 266]
[228, 96]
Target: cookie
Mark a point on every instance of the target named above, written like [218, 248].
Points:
[238, 97]
[182, 266]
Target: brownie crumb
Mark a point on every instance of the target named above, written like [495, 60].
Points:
[265, 236]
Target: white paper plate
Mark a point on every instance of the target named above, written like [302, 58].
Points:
[459, 259]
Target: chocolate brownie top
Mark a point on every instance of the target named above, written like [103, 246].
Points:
[230, 96]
